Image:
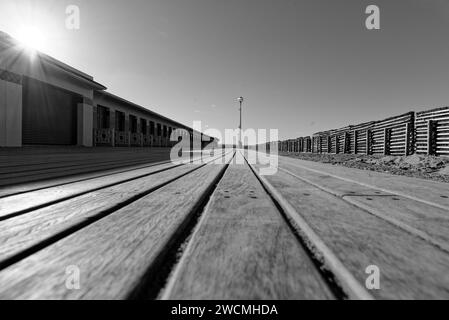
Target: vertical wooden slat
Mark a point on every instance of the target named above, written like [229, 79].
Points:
[408, 139]
[335, 145]
[368, 141]
[387, 135]
[431, 137]
[347, 144]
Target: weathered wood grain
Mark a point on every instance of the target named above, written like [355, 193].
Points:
[333, 185]
[18, 170]
[60, 181]
[243, 249]
[27, 186]
[429, 222]
[23, 232]
[32, 164]
[30, 200]
[115, 252]
[410, 268]
[42, 174]
[426, 221]
[430, 192]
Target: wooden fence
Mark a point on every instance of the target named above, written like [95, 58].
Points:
[425, 132]
[392, 136]
[432, 132]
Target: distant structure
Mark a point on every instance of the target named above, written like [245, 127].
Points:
[424, 132]
[46, 102]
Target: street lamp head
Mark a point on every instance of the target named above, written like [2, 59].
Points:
[240, 99]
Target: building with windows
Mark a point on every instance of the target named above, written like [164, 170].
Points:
[46, 102]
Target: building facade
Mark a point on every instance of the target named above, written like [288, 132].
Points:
[46, 102]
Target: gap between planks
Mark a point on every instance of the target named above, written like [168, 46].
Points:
[242, 248]
[33, 200]
[136, 240]
[344, 277]
[37, 229]
[352, 199]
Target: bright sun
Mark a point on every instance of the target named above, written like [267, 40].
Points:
[31, 38]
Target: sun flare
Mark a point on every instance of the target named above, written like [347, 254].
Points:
[31, 38]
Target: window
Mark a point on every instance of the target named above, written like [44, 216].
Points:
[143, 126]
[132, 123]
[159, 129]
[119, 121]
[151, 127]
[103, 117]
[165, 131]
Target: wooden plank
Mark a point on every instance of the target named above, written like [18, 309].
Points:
[80, 165]
[38, 185]
[333, 185]
[410, 268]
[243, 249]
[6, 180]
[427, 222]
[51, 159]
[28, 186]
[17, 169]
[115, 253]
[24, 232]
[430, 192]
[14, 158]
[31, 200]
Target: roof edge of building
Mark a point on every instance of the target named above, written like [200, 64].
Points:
[10, 41]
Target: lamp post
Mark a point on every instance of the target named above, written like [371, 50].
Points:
[240, 100]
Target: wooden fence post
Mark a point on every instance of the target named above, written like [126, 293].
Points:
[387, 136]
[347, 145]
[337, 143]
[368, 141]
[431, 137]
[408, 139]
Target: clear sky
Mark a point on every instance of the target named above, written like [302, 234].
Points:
[302, 65]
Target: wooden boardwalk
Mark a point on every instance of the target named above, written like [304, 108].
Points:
[137, 226]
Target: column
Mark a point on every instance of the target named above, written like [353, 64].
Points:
[10, 109]
[85, 124]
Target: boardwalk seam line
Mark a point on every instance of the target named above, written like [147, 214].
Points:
[401, 225]
[200, 210]
[100, 215]
[378, 188]
[347, 281]
[50, 203]
[62, 199]
[85, 179]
